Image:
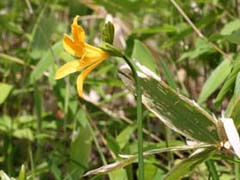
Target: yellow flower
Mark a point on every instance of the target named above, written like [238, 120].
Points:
[89, 56]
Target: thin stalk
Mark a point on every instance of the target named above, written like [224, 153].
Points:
[29, 7]
[19, 61]
[10, 149]
[9, 153]
[38, 112]
[212, 169]
[15, 60]
[169, 154]
[129, 159]
[139, 119]
[237, 170]
[31, 161]
[96, 141]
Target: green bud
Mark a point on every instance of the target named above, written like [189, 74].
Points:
[108, 33]
[112, 50]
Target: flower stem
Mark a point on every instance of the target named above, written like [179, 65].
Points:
[139, 118]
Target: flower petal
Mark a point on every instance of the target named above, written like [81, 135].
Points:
[77, 31]
[92, 48]
[83, 76]
[72, 47]
[93, 52]
[67, 69]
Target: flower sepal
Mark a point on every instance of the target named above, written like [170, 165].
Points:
[112, 50]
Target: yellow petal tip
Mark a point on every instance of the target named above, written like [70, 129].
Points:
[75, 20]
[57, 76]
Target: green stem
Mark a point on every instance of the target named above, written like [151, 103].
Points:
[139, 119]
[237, 170]
[95, 140]
[31, 160]
[212, 169]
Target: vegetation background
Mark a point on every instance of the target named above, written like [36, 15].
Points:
[45, 126]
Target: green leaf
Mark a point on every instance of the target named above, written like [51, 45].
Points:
[45, 62]
[212, 169]
[201, 47]
[168, 74]
[5, 123]
[6, 22]
[125, 135]
[233, 38]
[237, 85]
[230, 27]
[4, 176]
[229, 81]
[24, 134]
[233, 109]
[154, 30]
[45, 25]
[174, 110]
[143, 56]
[112, 144]
[152, 172]
[187, 165]
[119, 174]
[231, 31]
[5, 90]
[215, 80]
[80, 149]
[128, 159]
[22, 173]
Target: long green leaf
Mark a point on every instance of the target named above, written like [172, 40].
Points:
[4, 176]
[45, 25]
[229, 81]
[215, 80]
[45, 62]
[201, 48]
[174, 110]
[80, 149]
[143, 55]
[119, 174]
[212, 169]
[22, 173]
[128, 159]
[168, 74]
[233, 109]
[124, 136]
[230, 27]
[187, 165]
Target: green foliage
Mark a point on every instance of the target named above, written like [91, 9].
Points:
[143, 55]
[167, 73]
[217, 77]
[47, 132]
[229, 81]
[5, 89]
[186, 166]
[201, 48]
[178, 112]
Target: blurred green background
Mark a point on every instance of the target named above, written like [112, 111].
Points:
[55, 134]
